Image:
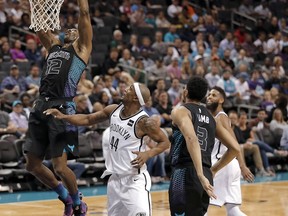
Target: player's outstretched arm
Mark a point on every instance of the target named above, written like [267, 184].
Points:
[229, 141]
[82, 119]
[85, 30]
[182, 118]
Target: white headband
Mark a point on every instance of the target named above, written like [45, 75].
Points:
[138, 93]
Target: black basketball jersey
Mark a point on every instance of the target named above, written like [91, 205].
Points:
[61, 73]
[204, 126]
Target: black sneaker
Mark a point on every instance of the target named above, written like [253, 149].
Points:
[68, 202]
[81, 209]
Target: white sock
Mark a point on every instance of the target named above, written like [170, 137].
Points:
[206, 214]
[234, 210]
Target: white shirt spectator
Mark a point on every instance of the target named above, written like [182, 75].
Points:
[273, 46]
[263, 12]
[258, 43]
[173, 9]
[212, 79]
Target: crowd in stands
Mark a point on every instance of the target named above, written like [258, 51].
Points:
[162, 44]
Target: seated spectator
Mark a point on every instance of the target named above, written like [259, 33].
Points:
[161, 21]
[186, 71]
[264, 147]
[267, 102]
[133, 44]
[164, 109]
[227, 83]
[137, 18]
[242, 88]
[6, 125]
[17, 54]
[159, 46]
[173, 11]
[139, 73]
[213, 76]
[18, 118]
[246, 8]
[96, 19]
[5, 53]
[151, 110]
[27, 104]
[171, 35]
[283, 86]
[284, 139]
[173, 69]
[155, 72]
[280, 103]
[34, 77]
[111, 62]
[256, 86]
[31, 52]
[277, 120]
[262, 10]
[248, 147]
[259, 122]
[278, 66]
[117, 41]
[174, 91]
[273, 44]
[16, 84]
[127, 60]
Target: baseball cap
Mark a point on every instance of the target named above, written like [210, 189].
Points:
[13, 66]
[197, 57]
[16, 102]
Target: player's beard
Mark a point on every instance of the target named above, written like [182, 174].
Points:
[212, 106]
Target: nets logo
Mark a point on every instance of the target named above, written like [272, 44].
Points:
[141, 214]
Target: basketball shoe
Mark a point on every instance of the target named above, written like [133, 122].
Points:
[81, 209]
[68, 202]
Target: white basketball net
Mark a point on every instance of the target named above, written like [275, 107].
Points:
[45, 14]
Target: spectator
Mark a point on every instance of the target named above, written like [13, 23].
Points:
[34, 77]
[117, 41]
[284, 139]
[277, 120]
[186, 71]
[18, 118]
[259, 122]
[139, 73]
[96, 19]
[31, 52]
[171, 35]
[106, 8]
[242, 88]
[17, 54]
[173, 70]
[174, 91]
[155, 72]
[15, 84]
[133, 45]
[137, 18]
[6, 125]
[164, 109]
[85, 86]
[267, 102]
[81, 102]
[213, 76]
[5, 53]
[161, 20]
[247, 146]
[273, 44]
[246, 8]
[159, 46]
[263, 10]
[111, 62]
[228, 42]
[151, 110]
[173, 11]
[26, 101]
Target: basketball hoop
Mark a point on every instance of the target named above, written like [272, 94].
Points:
[45, 14]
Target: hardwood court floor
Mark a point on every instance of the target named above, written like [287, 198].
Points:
[261, 199]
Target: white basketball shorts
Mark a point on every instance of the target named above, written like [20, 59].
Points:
[227, 186]
[129, 195]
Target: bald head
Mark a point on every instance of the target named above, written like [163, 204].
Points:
[145, 92]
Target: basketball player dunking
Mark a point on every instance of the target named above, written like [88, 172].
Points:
[61, 73]
[128, 189]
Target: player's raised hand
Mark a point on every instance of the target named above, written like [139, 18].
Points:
[207, 187]
[55, 113]
[141, 158]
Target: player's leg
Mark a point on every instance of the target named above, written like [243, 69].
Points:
[136, 195]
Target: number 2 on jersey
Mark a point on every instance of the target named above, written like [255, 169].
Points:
[202, 135]
[114, 143]
[53, 66]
